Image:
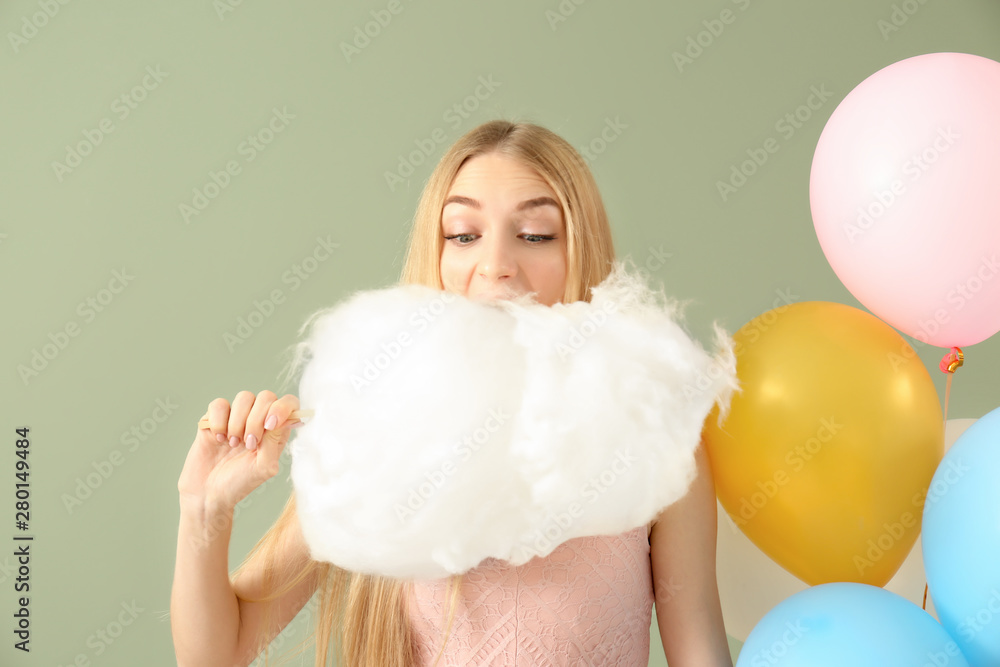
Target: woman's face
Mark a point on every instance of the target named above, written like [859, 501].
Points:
[504, 233]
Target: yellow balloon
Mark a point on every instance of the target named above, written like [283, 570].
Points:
[825, 456]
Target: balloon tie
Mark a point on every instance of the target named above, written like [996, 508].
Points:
[949, 363]
[952, 360]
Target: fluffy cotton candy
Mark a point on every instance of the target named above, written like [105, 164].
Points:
[448, 430]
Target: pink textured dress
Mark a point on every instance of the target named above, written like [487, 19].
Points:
[589, 602]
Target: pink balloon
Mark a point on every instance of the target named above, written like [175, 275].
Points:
[905, 196]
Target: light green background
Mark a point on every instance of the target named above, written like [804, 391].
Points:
[323, 175]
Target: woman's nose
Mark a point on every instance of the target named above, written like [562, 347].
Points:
[497, 261]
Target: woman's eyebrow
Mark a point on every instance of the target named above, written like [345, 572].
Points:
[526, 204]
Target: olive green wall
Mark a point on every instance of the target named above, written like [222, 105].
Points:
[118, 116]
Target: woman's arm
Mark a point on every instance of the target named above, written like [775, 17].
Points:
[682, 552]
[204, 608]
[211, 621]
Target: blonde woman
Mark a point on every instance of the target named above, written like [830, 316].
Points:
[511, 208]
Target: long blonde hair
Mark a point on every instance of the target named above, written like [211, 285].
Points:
[366, 615]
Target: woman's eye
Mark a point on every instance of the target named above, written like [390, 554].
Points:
[534, 239]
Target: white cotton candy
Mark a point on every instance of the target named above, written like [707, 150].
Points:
[448, 430]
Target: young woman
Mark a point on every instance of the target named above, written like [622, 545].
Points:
[511, 208]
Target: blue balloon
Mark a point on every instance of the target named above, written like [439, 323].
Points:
[961, 541]
[839, 624]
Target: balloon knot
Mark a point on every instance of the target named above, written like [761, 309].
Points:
[952, 360]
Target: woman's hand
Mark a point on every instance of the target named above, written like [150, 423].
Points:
[239, 451]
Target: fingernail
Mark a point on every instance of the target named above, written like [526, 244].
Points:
[271, 421]
[220, 437]
[233, 441]
[297, 424]
[251, 440]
